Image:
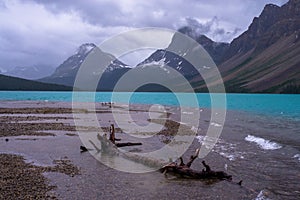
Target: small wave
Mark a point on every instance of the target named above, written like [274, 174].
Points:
[207, 141]
[215, 124]
[202, 139]
[297, 156]
[221, 147]
[229, 151]
[193, 128]
[261, 196]
[226, 167]
[183, 123]
[188, 113]
[263, 143]
[230, 157]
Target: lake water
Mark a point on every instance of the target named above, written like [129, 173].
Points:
[277, 105]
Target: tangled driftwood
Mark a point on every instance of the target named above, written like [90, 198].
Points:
[184, 170]
[109, 146]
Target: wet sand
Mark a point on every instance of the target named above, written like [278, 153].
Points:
[45, 136]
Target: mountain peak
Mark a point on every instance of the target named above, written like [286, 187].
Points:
[189, 31]
[270, 7]
[108, 67]
[270, 13]
[85, 48]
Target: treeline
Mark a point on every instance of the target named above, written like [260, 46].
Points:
[291, 89]
[13, 83]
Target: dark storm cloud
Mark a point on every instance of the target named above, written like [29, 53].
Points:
[105, 13]
[48, 31]
[230, 15]
[202, 28]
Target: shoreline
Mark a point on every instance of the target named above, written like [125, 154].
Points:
[265, 104]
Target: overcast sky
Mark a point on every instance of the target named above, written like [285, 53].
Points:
[46, 32]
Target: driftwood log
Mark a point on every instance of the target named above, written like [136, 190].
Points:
[184, 170]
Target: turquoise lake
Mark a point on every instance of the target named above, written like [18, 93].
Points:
[280, 105]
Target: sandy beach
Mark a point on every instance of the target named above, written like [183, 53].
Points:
[41, 159]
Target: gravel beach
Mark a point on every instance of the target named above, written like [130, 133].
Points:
[40, 156]
[24, 176]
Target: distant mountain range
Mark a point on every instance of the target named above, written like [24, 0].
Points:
[30, 72]
[263, 59]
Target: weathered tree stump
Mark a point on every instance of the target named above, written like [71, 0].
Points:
[109, 145]
[113, 139]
